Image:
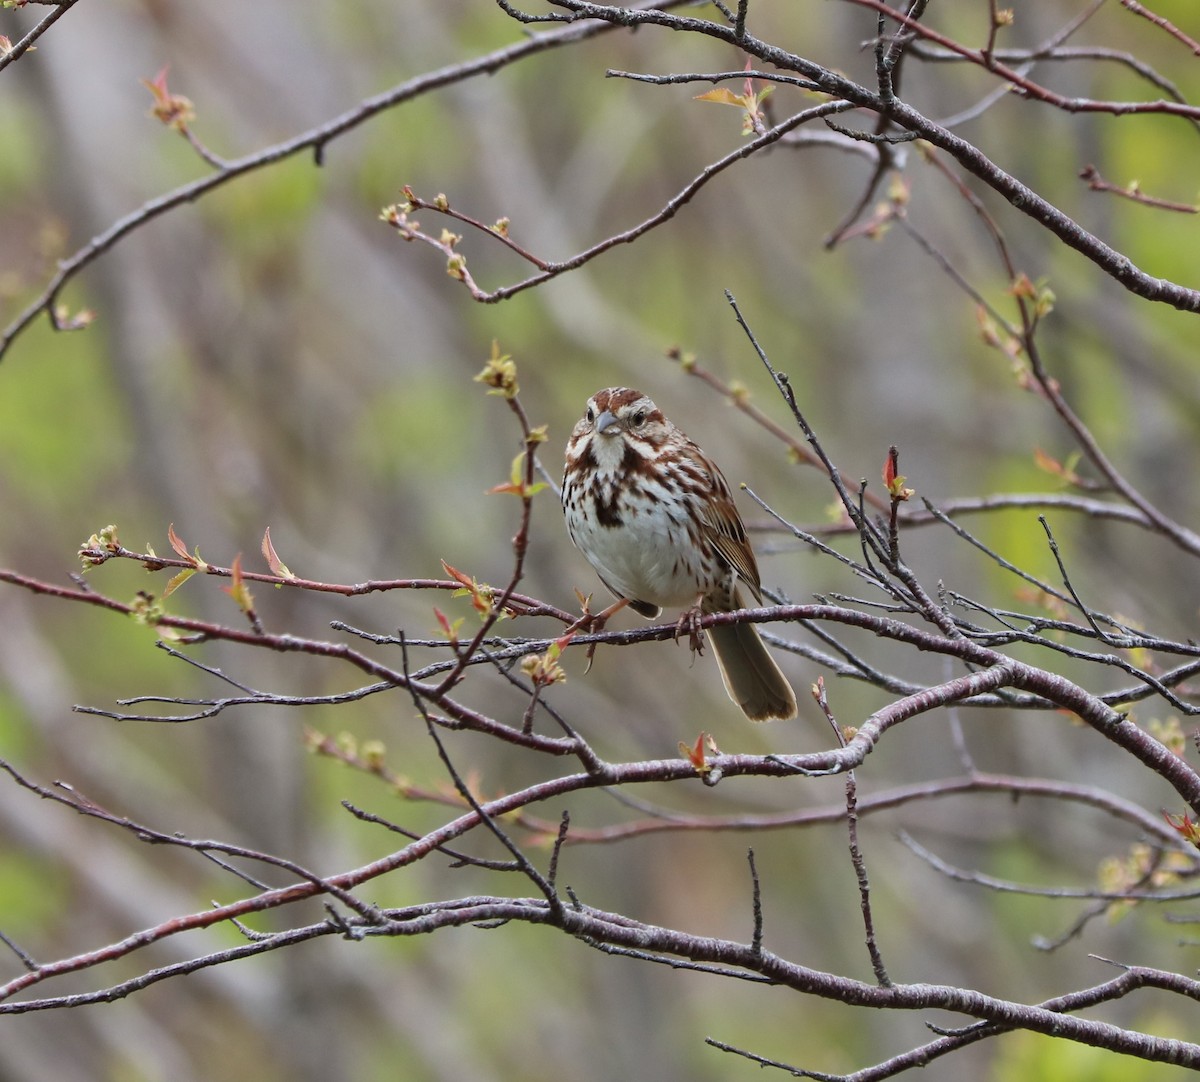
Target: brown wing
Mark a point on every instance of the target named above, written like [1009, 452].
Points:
[725, 530]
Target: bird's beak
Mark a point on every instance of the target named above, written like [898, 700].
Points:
[607, 420]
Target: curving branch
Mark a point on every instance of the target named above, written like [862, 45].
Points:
[313, 141]
[1055, 646]
[904, 116]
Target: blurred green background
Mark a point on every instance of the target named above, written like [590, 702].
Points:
[274, 355]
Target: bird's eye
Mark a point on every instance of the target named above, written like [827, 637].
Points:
[590, 415]
[639, 418]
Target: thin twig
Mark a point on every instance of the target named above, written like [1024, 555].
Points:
[61, 7]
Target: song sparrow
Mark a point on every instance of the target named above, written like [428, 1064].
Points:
[656, 519]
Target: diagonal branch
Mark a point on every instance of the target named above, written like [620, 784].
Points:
[1019, 195]
[314, 140]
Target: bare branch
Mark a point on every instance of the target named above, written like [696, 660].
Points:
[15, 52]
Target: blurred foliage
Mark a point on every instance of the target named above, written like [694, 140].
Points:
[1029, 1057]
[276, 356]
[63, 380]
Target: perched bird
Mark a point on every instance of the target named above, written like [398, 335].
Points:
[656, 520]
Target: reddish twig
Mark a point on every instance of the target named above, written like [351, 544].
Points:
[1163, 24]
[904, 116]
[1133, 192]
[314, 140]
[548, 270]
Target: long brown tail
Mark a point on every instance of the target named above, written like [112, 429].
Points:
[752, 678]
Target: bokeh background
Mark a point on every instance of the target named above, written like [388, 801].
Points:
[274, 355]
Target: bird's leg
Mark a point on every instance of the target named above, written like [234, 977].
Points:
[689, 621]
[593, 623]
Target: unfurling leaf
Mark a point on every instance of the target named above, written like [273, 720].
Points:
[899, 190]
[482, 596]
[516, 485]
[99, 547]
[449, 627]
[1041, 294]
[893, 481]
[1141, 868]
[988, 328]
[1169, 732]
[1045, 302]
[178, 545]
[174, 110]
[277, 566]
[456, 575]
[176, 542]
[749, 101]
[374, 755]
[146, 608]
[1021, 286]
[695, 753]
[237, 588]
[1185, 826]
[397, 216]
[177, 581]
[544, 669]
[723, 95]
[499, 373]
[1046, 463]
[523, 491]
[1064, 470]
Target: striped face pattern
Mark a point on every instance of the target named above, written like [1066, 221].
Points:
[651, 511]
[656, 519]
